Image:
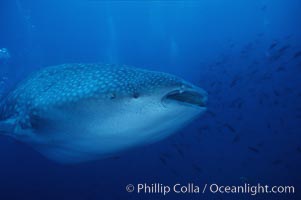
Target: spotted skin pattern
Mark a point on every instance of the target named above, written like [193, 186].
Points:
[70, 83]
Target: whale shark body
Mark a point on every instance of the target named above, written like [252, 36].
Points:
[73, 113]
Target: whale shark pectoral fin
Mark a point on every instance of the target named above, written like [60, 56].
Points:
[58, 153]
[54, 120]
[40, 124]
[63, 155]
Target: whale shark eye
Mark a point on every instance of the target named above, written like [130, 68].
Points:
[136, 95]
[112, 96]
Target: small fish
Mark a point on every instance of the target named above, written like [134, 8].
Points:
[163, 160]
[213, 84]
[166, 155]
[232, 45]
[238, 102]
[253, 149]
[252, 73]
[243, 179]
[264, 96]
[229, 127]
[175, 173]
[204, 127]
[279, 53]
[115, 157]
[196, 168]
[266, 76]
[284, 48]
[277, 162]
[218, 63]
[182, 134]
[234, 81]
[288, 37]
[297, 54]
[236, 139]
[273, 45]
[239, 118]
[239, 105]
[276, 93]
[280, 68]
[211, 113]
[178, 149]
[260, 144]
[260, 34]
[264, 8]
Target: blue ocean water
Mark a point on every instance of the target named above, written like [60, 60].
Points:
[246, 54]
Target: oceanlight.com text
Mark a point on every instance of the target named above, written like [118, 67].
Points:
[193, 188]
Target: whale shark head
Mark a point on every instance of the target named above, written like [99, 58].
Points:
[155, 111]
[78, 112]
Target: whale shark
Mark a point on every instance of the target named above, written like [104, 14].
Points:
[73, 113]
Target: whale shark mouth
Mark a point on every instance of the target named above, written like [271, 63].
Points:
[188, 97]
